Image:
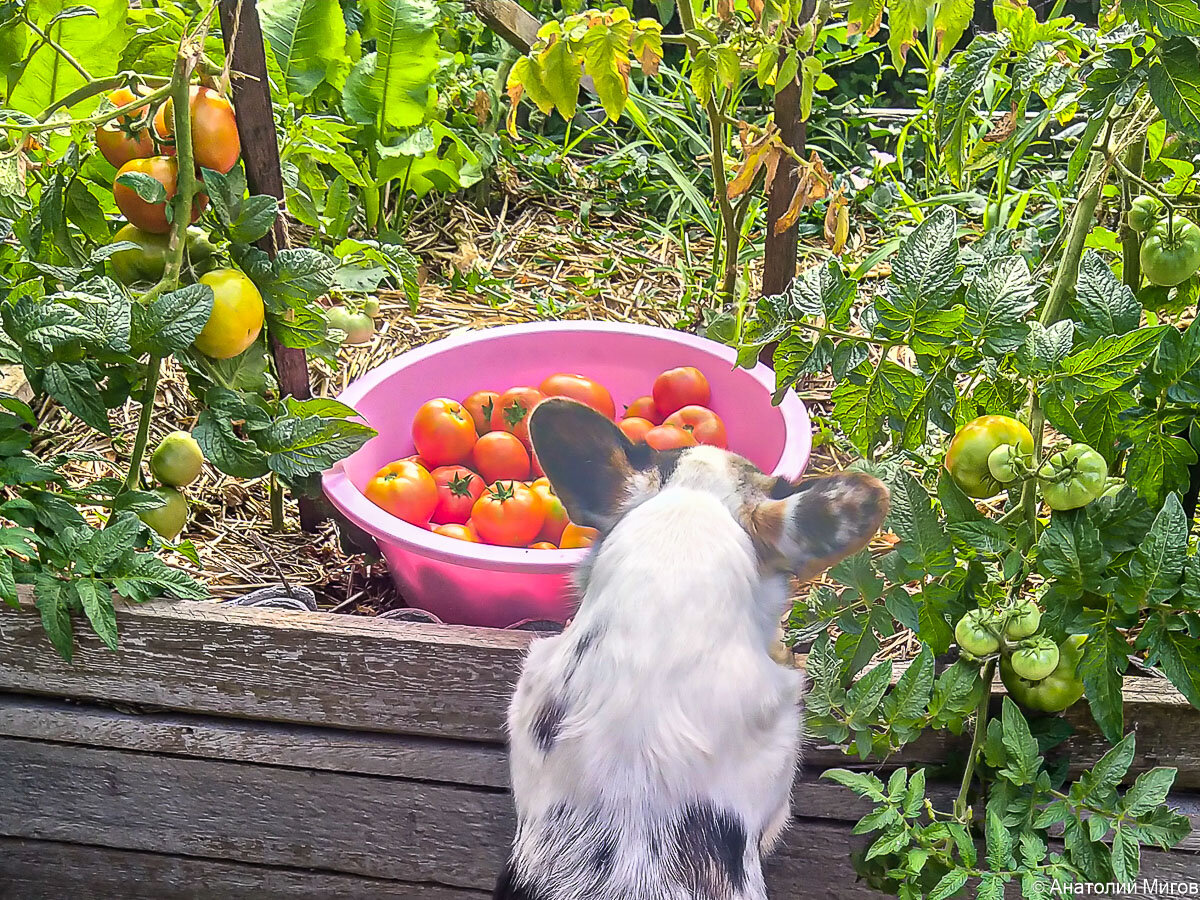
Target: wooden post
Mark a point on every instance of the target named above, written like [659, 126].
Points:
[260, 155]
[779, 255]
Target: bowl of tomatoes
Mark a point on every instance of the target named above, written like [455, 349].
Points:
[450, 488]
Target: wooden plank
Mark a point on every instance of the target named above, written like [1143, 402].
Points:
[48, 870]
[509, 20]
[357, 824]
[282, 666]
[265, 743]
[402, 678]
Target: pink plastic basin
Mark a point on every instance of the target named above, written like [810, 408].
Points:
[478, 584]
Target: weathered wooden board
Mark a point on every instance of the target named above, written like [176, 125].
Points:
[47, 870]
[402, 678]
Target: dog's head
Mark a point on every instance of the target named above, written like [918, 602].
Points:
[802, 527]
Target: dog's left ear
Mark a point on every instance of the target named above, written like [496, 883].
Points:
[820, 522]
[588, 459]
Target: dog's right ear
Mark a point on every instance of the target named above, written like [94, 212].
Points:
[588, 459]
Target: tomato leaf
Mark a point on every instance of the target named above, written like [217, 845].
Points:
[171, 321]
[1173, 83]
[1104, 306]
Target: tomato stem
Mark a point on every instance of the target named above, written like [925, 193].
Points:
[133, 476]
[988, 674]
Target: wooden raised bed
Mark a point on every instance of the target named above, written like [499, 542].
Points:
[230, 753]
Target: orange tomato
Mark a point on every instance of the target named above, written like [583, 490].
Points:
[704, 424]
[405, 490]
[676, 388]
[512, 412]
[643, 408]
[576, 536]
[500, 456]
[509, 514]
[151, 217]
[457, 531]
[543, 545]
[480, 405]
[121, 140]
[669, 437]
[556, 516]
[215, 141]
[635, 428]
[581, 388]
[458, 489]
[443, 432]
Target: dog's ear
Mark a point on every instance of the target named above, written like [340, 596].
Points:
[812, 524]
[588, 459]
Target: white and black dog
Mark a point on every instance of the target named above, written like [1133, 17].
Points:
[654, 742]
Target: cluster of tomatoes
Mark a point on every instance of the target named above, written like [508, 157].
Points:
[142, 142]
[1170, 251]
[992, 452]
[175, 463]
[475, 476]
[1039, 673]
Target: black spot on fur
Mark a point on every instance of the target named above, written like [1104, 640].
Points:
[708, 849]
[584, 644]
[667, 461]
[509, 887]
[546, 724]
[604, 855]
[782, 488]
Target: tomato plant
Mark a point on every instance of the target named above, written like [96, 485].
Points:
[969, 454]
[1073, 477]
[126, 137]
[177, 460]
[142, 189]
[1144, 213]
[236, 318]
[215, 142]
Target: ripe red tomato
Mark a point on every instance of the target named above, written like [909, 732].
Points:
[480, 405]
[543, 545]
[635, 428]
[500, 456]
[512, 412]
[704, 424]
[668, 437]
[581, 388]
[576, 536]
[405, 490]
[643, 408]
[676, 388]
[121, 140]
[215, 143]
[459, 532]
[443, 432]
[151, 217]
[509, 514]
[458, 489]
[556, 516]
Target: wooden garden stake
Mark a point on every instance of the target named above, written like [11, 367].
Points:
[260, 155]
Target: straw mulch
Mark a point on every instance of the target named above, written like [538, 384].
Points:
[526, 263]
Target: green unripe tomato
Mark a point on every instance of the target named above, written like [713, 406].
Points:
[1073, 477]
[1023, 621]
[975, 633]
[1144, 213]
[177, 461]
[1006, 463]
[147, 263]
[1171, 257]
[1060, 690]
[358, 327]
[1035, 659]
[168, 520]
[371, 306]
[967, 456]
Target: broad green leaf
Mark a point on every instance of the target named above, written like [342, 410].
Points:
[1099, 784]
[71, 384]
[392, 87]
[298, 447]
[172, 321]
[1105, 658]
[1175, 82]
[560, 68]
[906, 20]
[308, 39]
[222, 447]
[147, 577]
[1171, 17]
[864, 16]
[1156, 568]
[1023, 762]
[1108, 364]
[1175, 652]
[869, 396]
[606, 59]
[1150, 790]
[949, 885]
[98, 605]
[1157, 464]
[949, 23]
[924, 543]
[997, 300]
[1126, 856]
[999, 846]
[1103, 306]
[924, 269]
[955, 94]
[865, 696]
[95, 42]
[862, 783]
[50, 598]
[909, 698]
